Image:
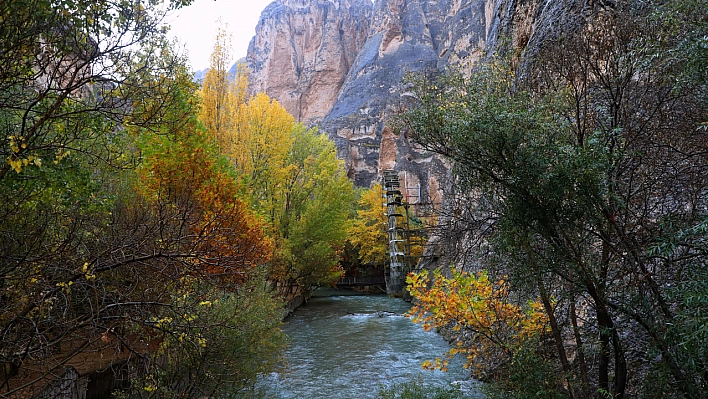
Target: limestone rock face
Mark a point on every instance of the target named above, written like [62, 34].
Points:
[405, 36]
[339, 64]
[302, 52]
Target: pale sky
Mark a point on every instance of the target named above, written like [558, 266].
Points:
[195, 26]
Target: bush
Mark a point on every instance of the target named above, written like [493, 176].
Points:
[528, 375]
[416, 389]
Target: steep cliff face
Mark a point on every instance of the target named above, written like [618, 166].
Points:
[303, 50]
[340, 64]
[405, 36]
[398, 42]
[526, 26]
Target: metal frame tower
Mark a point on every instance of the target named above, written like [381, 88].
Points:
[401, 236]
[397, 256]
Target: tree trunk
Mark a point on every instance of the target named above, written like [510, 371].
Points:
[557, 337]
[582, 365]
[608, 335]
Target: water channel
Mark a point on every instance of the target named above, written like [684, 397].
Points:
[351, 346]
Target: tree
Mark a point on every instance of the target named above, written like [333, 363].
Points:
[312, 218]
[492, 328]
[584, 165]
[70, 78]
[218, 326]
[184, 172]
[218, 342]
[219, 102]
[263, 140]
[368, 232]
[291, 175]
[294, 182]
[117, 207]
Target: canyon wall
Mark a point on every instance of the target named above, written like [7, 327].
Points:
[303, 49]
[406, 36]
[340, 64]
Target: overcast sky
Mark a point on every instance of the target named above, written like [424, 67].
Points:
[195, 26]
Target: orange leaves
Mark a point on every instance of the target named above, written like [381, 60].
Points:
[492, 325]
[198, 201]
[437, 364]
[230, 236]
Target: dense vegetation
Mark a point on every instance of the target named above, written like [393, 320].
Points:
[148, 223]
[156, 226]
[580, 178]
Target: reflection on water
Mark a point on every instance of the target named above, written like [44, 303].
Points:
[349, 346]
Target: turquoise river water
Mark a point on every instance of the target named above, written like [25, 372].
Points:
[351, 346]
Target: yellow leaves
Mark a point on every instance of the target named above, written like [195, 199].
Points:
[15, 164]
[163, 322]
[283, 169]
[13, 143]
[255, 133]
[265, 129]
[367, 232]
[61, 154]
[15, 160]
[65, 287]
[223, 96]
[437, 364]
[536, 319]
[87, 272]
[478, 306]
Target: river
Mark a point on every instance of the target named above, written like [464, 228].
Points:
[351, 346]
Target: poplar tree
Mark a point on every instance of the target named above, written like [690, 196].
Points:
[288, 174]
[218, 108]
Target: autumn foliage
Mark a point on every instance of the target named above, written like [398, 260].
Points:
[124, 230]
[288, 174]
[368, 232]
[226, 238]
[491, 326]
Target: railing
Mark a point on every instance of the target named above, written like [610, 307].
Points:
[368, 280]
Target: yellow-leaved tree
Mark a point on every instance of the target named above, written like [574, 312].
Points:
[300, 188]
[492, 328]
[368, 234]
[262, 141]
[288, 174]
[219, 93]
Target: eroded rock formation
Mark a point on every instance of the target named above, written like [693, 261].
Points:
[339, 64]
[405, 36]
[303, 49]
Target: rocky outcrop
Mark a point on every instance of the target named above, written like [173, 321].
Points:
[302, 52]
[340, 64]
[406, 36]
